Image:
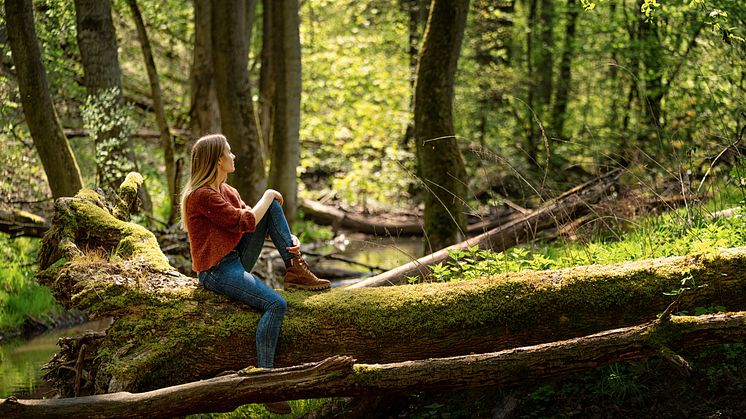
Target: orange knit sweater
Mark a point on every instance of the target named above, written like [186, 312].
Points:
[216, 221]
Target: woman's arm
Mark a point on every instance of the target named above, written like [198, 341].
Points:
[264, 202]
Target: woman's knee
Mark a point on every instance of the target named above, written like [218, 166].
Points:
[279, 305]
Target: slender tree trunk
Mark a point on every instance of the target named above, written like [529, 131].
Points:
[417, 11]
[531, 129]
[441, 165]
[652, 77]
[167, 142]
[99, 53]
[286, 126]
[230, 61]
[561, 96]
[267, 80]
[543, 84]
[54, 150]
[614, 83]
[204, 109]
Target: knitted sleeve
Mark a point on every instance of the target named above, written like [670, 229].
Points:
[216, 208]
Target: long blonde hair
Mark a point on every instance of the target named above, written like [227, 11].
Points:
[206, 153]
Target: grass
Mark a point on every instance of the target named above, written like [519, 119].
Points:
[21, 297]
[674, 233]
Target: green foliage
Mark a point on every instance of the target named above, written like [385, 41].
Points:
[310, 232]
[20, 296]
[356, 93]
[669, 234]
[110, 122]
[301, 408]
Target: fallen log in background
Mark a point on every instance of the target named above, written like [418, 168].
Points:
[339, 376]
[507, 235]
[16, 222]
[380, 226]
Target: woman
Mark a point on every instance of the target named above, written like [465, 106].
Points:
[226, 237]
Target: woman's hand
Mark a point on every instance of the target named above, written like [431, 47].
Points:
[274, 195]
[295, 248]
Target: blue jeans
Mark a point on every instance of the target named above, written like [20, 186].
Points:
[232, 277]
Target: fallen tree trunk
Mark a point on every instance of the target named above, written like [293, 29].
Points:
[339, 376]
[380, 226]
[168, 330]
[16, 222]
[507, 235]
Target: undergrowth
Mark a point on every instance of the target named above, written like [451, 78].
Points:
[676, 233]
[21, 297]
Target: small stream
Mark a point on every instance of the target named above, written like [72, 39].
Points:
[21, 360]
[384, 253]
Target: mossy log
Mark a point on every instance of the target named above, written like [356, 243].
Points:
[168, 330]
[339, 376]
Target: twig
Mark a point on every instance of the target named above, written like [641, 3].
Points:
[345, 259]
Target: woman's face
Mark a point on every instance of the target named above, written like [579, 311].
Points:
[225, 162]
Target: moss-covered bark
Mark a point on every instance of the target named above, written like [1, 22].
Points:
[169, 330]
[339, 376]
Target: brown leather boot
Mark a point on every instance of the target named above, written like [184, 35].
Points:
[280, 408]
[298, 275]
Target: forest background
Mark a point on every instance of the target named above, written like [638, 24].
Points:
[546, 94]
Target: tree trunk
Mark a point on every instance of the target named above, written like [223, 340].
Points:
[204, 110]
[99, 54]
[561, 96]
[531, 146]
[652, 77]
[230, 61]
[504, 236]
[60, 166]
[339, 376]
[267, 81]
[417, 12]
[167, 142]
[168, 330]
[283, 174]
[441, 166]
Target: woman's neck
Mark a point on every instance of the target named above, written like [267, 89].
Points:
[219, 179]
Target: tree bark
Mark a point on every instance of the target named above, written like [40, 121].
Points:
[504, 236]
[441, 166]
[339, 376]
[283, 170]
[204, 110]
[168, 330]
[97, 42]
[60, 166]
[652, 77]
[561, 96]
[167, 142]
[230, 61]
[267, 79]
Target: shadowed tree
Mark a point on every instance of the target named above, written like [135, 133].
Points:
[230, 35]
[441, 165]
[103, 81]
[267, 82]
[167, 142]
[54, 150]
[286, 121]
[204, 110]
[562, 87]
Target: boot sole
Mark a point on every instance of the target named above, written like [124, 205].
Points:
[307, 287]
